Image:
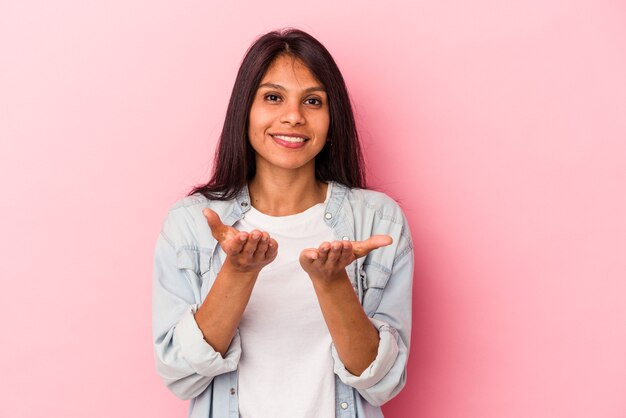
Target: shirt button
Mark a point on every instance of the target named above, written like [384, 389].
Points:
[232, 391]
[344, 405]
[244, 204]
[328, 215]
[345, 238]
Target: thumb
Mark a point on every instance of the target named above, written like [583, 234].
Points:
[363, 248]
[215, 223]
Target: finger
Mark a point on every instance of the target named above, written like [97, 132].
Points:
[272, 250]
[335, 252]
[347, 255]
[215, 223]
[262, 246]
[235, 245]
[251, 245]
[362, 248]
[323, 251]
[308, 256]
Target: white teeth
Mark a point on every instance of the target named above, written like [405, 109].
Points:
[292, 139]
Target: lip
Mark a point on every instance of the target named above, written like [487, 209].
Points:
[287, 144]
[293, 135]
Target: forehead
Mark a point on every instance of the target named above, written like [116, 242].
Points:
[289, 69]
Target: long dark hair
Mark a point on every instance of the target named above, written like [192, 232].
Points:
[340, 160]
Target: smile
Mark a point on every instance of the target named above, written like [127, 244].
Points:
[293, 139]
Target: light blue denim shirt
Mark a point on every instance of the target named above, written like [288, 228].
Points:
[186, 263]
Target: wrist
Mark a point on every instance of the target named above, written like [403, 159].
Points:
[330, 284]
[238, 275]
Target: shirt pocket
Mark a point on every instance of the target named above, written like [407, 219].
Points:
[196, 265]
[374, 280]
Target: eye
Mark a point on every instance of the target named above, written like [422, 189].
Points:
[272, 97]
[313, 101]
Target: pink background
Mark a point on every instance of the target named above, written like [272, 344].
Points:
[501, 128]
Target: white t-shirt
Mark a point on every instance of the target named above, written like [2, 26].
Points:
[286, 366]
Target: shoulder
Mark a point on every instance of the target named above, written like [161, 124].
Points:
[185, 224]
[192, 206]
[188, 202]
[187, 208]
[378, 203]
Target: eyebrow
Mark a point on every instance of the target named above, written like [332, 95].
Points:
[279, 87]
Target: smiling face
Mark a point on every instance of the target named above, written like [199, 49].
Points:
[289, 118]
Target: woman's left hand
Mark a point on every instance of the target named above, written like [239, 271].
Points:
[328, 262]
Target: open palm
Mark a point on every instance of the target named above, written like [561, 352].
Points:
[246, 251]
[330, 259]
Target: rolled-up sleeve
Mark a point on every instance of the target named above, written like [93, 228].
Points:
[384, 361]
[386, 375]
[184, 360]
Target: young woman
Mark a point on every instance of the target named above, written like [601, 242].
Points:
[282, 287]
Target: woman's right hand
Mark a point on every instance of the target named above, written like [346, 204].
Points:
[247, 252]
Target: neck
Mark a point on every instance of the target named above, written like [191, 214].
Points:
[281, 195]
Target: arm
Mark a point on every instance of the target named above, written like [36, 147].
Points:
[246, 254]
[185, 334]
[387, 302]
[355, 339]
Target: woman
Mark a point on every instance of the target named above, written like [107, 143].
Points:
[282, 288]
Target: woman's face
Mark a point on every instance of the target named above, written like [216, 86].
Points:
[289, 118]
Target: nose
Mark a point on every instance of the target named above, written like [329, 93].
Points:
[292, 114]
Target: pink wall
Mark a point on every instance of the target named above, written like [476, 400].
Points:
[501, 128]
